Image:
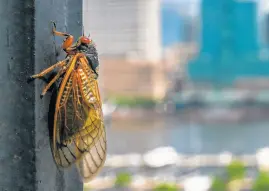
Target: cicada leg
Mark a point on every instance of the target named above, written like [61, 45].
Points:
[67, 44]
[57, 32]
[51, 82]
[46, 71]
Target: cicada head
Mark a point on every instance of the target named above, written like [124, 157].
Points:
[85, 40]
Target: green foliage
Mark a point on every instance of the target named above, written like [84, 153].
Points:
[166, 187]
[86, 188]
[134, 101]
[236, 170]
[262, 182]
[123, 179]
[218, 184]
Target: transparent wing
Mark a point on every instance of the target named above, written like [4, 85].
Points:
[94, 159]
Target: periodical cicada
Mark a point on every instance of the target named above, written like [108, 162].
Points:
[78, 132]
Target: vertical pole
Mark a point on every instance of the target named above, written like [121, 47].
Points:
[27, 47]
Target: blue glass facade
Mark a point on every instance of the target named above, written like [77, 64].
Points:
[211, 29]
[229, 43]
[246, 28]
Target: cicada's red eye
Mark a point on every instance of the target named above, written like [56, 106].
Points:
[85, 40]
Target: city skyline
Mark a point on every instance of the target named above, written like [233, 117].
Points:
[262, 5]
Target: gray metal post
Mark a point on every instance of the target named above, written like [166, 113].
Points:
[27, 47]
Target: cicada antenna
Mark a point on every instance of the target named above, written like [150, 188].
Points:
[82, 30]
[54, 41]
[53, 27]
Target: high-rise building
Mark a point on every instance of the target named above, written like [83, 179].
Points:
[266, 29]
[125, 27]
[229, 43]
[128, 38]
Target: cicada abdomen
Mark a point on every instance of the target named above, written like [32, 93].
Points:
[78, 133]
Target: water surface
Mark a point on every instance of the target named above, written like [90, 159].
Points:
[147, 133]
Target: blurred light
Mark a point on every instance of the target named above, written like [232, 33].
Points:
[197, 183]
[160, 157]
[225, 158]
[108, 108]
[262, 157]
[100, 183]
[132, 159]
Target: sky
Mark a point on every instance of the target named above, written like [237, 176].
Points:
[193, 5]
[263, 5]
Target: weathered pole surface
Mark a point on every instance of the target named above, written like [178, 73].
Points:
[27, 47]
[17, 138]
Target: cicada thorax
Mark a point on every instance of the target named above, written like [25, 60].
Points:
[91, 55]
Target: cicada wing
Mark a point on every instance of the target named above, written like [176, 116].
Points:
[93, 161]
[79, 133]
[69, 120]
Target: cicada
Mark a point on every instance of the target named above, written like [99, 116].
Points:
[78, 132]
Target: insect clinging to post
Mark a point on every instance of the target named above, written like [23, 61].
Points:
[78, 133]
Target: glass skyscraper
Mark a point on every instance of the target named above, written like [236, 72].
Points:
[229, 43]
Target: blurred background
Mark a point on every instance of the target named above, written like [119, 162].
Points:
[185, 89]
